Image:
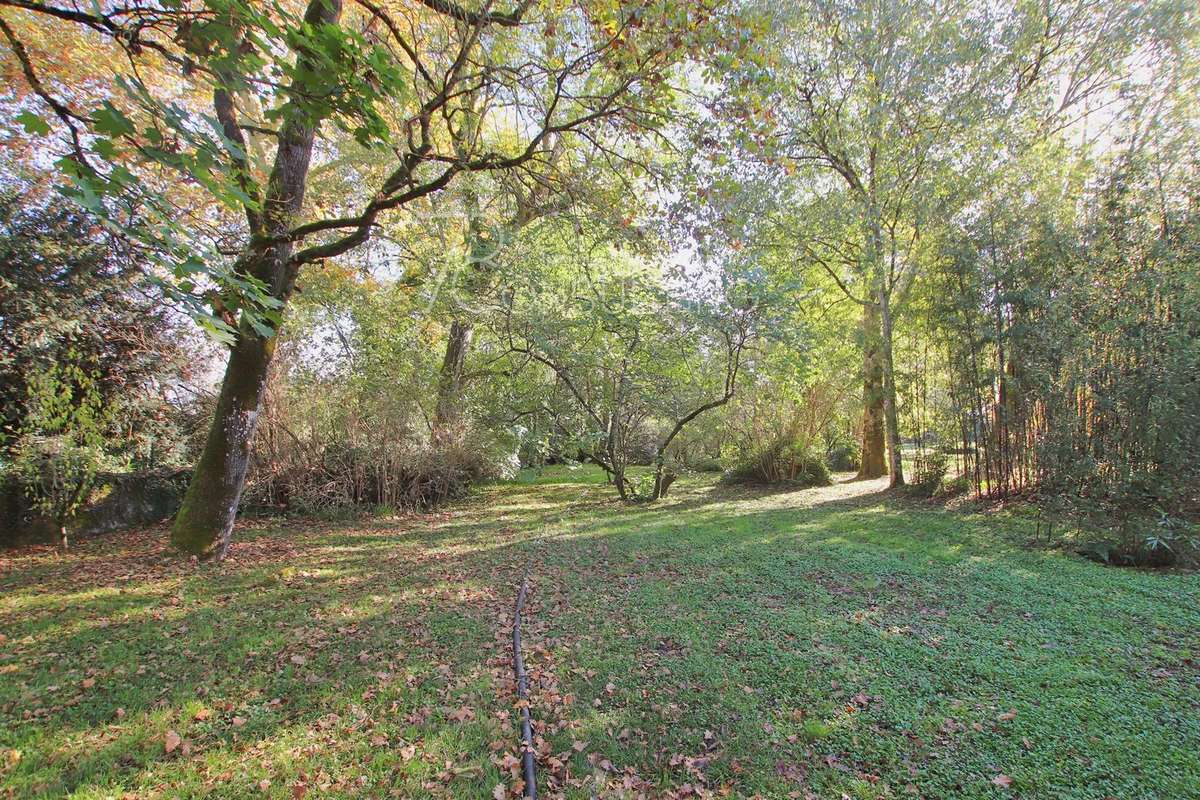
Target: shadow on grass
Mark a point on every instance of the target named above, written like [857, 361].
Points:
[320, 653]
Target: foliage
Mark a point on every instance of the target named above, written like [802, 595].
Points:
[346, 419]
[929, 472]
[776, 436]
[1086, 329]
[1141, 539]
[61, 446]
[635, 362]
[205, 115]
[70, 295]
[645, 236]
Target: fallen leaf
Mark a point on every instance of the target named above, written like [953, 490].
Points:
[172, 741]
[1002, 780]
[499, 792]
[88, 683]
[299, 660]
[1008, 716]
[462, 714]
[239, 722]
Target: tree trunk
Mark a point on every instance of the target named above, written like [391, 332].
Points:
[872, 463]
[448, 414]
[891, 418]
[447, 417]
[205, 520]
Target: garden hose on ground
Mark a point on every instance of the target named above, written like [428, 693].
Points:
[527, 754]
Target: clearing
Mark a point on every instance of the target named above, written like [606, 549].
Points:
[826, 643]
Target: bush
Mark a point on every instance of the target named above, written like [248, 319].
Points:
[956, 486]
[707, 464]
[62, 445]
[843, 456]
[359, 465]
[1144, 540]
[774, 440]
[929, 473]
[780, 462]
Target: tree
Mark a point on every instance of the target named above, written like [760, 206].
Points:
[890, 115]
[67, 298]
[389, 77]
[635, 361]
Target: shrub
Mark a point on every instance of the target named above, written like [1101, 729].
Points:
[61, 447]
[357, 464]
[707, 464]
[929, 473]
[956, 486]
[843, 450]
[1144, 540]
[780, 461]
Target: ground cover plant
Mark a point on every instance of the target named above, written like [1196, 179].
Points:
[829, 642]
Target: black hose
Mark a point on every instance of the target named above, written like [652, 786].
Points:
[527, 756]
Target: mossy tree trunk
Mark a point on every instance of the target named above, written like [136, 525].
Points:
[205, 520]
[204, 523]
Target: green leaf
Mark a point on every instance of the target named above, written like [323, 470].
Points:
[110, 121]
[32, 123]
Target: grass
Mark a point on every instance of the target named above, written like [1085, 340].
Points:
[826, 643]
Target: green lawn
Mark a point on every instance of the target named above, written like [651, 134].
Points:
[826, 643]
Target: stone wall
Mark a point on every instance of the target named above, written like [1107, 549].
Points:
[119, 500]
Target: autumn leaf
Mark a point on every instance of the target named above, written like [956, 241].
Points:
[1002, 780]
[172, 741]
[499, 792]
[1008, 716]
[462, 714]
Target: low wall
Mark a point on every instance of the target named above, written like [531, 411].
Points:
[119, 500]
